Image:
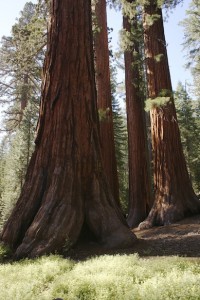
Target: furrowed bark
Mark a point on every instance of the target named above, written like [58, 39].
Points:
[104, 98]
[174, 195]
[139, 176]
[65, 184]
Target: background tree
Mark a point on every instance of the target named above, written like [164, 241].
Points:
[190, 133]
[16, 155]
[139, 179]
[2, 171]
[121, 140]
[65, 185]
[191, 25]
[20, 78]
[192, 45]
[21, 61]
[174, 195]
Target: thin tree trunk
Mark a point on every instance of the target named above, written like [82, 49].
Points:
[139, 179]
[104, 98]
[65, 185]
[174, 195]
[23, 96]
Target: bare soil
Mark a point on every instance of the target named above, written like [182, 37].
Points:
[181, 239]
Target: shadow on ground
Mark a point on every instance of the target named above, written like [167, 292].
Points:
[181, 238]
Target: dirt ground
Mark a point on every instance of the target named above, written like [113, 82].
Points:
[181, 238]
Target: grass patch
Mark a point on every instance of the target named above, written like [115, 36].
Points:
[108, 277]
[5, 252]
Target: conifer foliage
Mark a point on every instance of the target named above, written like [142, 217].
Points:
[191, 25]
[188, 119]
[121, 141]
[21, 62]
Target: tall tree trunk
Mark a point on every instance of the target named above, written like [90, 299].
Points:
[65, 185]
[23, 96]
[104, 98]
[139, 179]
[174, 195]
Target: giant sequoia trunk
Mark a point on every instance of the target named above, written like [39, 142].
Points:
[104, 98]
[174, 195]
[65, 186]
[139, 179]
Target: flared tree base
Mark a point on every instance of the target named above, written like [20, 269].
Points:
[166, 212]
[57, 223]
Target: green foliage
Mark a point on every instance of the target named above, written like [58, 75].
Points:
[21, 60]
[157, 102]
[104, 114]
[130, 9]
[128, 39]
[121, 150]
[159, 57]
[187, 114]
[151, 19]
[2, 172]
[162, 100]
[126, 42]
[5, 252]
[191, 25]
[95, 26]
[21, 63]
[28, 279]
[121, 142]
[15, 160]
[102, 278]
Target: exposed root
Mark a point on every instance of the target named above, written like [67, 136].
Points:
[145, 225]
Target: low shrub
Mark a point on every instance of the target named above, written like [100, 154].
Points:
[109, 277]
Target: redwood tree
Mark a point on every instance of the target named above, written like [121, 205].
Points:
[174, 195]
[65, 185]
[104, 97]
[139, 179]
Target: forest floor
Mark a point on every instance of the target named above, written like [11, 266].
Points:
[179, 239]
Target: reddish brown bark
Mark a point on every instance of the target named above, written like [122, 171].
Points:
[65, 185]
[174, 195]
[104, 98]
[139, 179]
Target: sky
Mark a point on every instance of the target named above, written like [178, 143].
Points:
[10, 9]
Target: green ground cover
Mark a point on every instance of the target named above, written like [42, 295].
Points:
[109, 277]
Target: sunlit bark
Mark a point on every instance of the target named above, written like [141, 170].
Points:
[174, 195]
